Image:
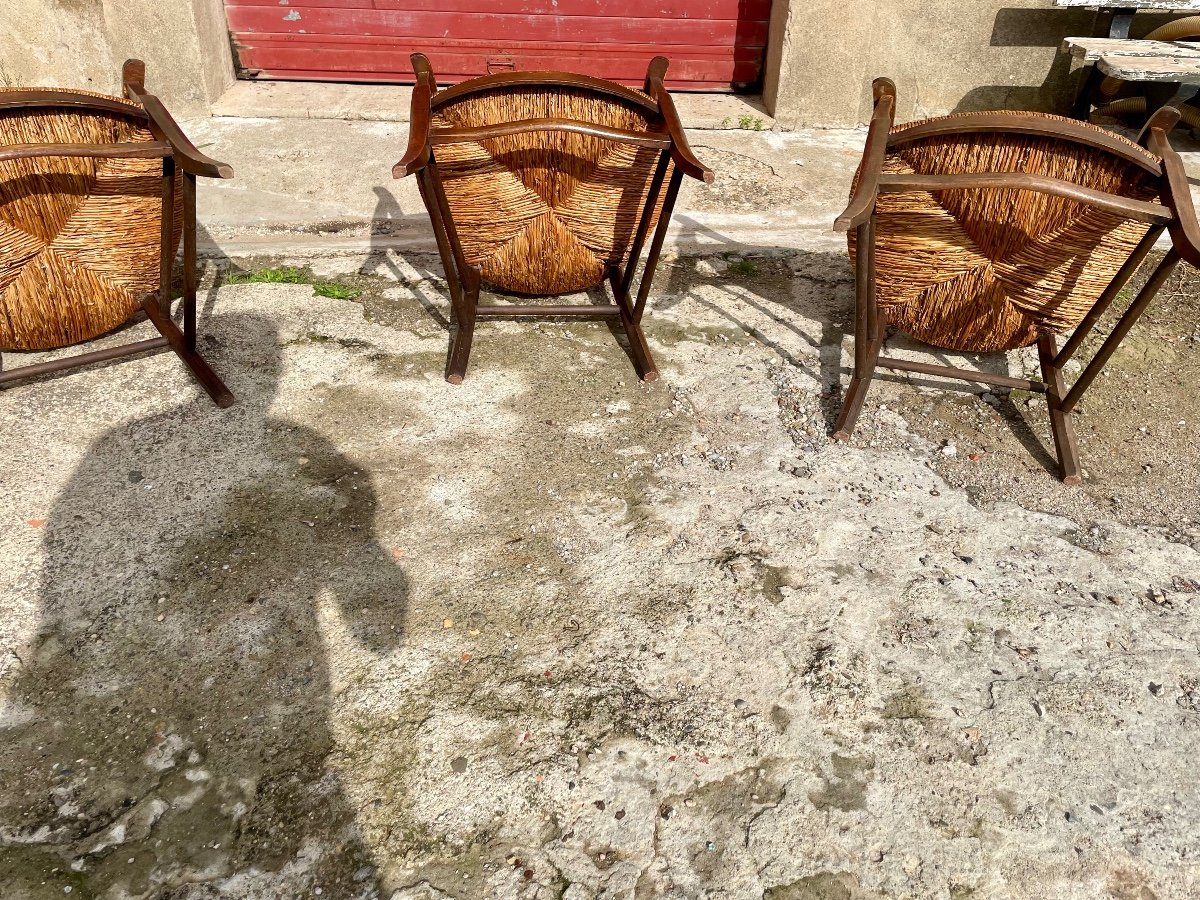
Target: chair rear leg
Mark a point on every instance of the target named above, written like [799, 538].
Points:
[639, 349]
[1061, 425]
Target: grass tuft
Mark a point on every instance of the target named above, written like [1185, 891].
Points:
[335, 291]
[281, 275]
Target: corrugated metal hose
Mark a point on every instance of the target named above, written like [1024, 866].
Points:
[1181, 29]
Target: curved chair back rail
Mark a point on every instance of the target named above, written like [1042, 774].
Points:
[1027, 125]
[62, 98]
[128, 150]
[444, 136]
[488, 83]
[1138, 210]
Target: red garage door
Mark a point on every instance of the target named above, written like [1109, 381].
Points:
[712, 44]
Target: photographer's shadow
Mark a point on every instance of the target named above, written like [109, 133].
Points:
[171, 722]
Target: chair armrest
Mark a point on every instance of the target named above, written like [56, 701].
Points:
[862, 201]
[165, 128]
[1177, 192]
[681, 152]
[419, 151]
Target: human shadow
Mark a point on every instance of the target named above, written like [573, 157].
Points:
[169, 723]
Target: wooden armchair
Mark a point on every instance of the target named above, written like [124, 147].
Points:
[95, 194]
[544, 183]
[983, 232]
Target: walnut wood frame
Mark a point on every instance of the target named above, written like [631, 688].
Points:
[1176, 215]
[178, 155]
[464, 280]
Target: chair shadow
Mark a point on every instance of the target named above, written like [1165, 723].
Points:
[827, 271]
[171, 719]
[387, 220]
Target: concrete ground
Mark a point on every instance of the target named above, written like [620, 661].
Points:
[555, 633]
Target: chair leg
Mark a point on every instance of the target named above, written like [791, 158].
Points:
[460, 352]
[460, 343]
[1061, 425]
[195, 363]
[856, 393]
[868, 331]
[643, 361]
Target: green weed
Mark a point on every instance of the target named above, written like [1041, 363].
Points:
[282, 275]
[335, 291]
[291, 275]
[743, 268]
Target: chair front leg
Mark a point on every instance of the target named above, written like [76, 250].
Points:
[196, 364]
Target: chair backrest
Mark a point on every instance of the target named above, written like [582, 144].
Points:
[80, 235]
[547, 210]
[987, 265]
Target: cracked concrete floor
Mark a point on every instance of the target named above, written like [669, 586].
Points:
[555, 633]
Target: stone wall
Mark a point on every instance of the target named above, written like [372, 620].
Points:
[82, 43]
[944, 55]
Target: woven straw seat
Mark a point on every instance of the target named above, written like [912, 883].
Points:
[80, 236]
[983, 232]
[545, 212]
[989, 270]
[96, 195]
[546, 183]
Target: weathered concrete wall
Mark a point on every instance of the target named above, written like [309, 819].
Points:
[944, 55]
[82, 43]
